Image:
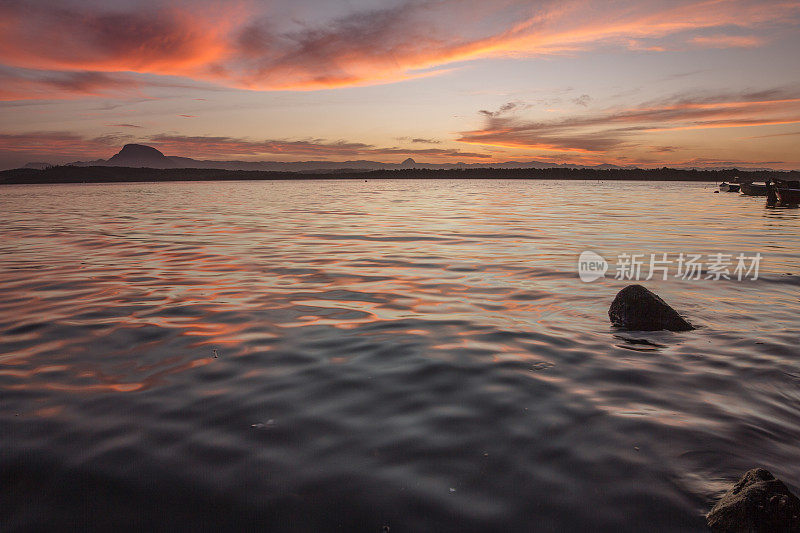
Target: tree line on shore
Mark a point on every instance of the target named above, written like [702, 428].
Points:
[100, 174]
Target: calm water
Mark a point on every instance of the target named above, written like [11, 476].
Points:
[412, 354]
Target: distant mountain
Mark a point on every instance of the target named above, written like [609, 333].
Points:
[142, 156]
[139, 155]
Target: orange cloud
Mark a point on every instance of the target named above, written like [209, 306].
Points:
[160, 40]
[390, 45]
[617, 128]
[237, 44]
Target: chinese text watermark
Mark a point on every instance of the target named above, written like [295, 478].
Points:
[663, 266]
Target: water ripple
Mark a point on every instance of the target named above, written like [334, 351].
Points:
[419, 354]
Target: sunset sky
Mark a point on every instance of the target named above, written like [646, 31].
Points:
[649, 83]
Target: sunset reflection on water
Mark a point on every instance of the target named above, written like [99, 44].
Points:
[393, 332]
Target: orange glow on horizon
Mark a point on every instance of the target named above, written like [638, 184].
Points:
[537, 146]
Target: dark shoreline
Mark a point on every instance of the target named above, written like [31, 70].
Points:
[75, 174]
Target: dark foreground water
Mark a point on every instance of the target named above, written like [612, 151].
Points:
[412, 354]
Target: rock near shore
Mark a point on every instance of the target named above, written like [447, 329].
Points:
[757, 503]
[637, 309]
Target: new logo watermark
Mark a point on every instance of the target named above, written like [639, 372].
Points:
[661, 265]
[591, 266]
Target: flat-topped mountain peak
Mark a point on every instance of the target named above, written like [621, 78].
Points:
[137, 155]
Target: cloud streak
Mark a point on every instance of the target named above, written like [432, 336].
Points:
[27, 84]
[236, 44]
[61, 144]
[617, 128]
[419, 140]
[212, 147]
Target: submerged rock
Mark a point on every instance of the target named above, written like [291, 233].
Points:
[636, 308]
[757, 503]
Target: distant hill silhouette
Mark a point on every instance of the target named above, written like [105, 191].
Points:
[140, 155]
[143, 156]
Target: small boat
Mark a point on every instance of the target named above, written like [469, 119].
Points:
[788, 192]
[749, 188]
[728, 187]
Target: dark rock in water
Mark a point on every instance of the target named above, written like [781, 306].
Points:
[637, 309]
[757, 503]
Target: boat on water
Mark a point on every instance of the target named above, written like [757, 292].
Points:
[783, 193]
[788, 192]
[749, 188]
[728, 187]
